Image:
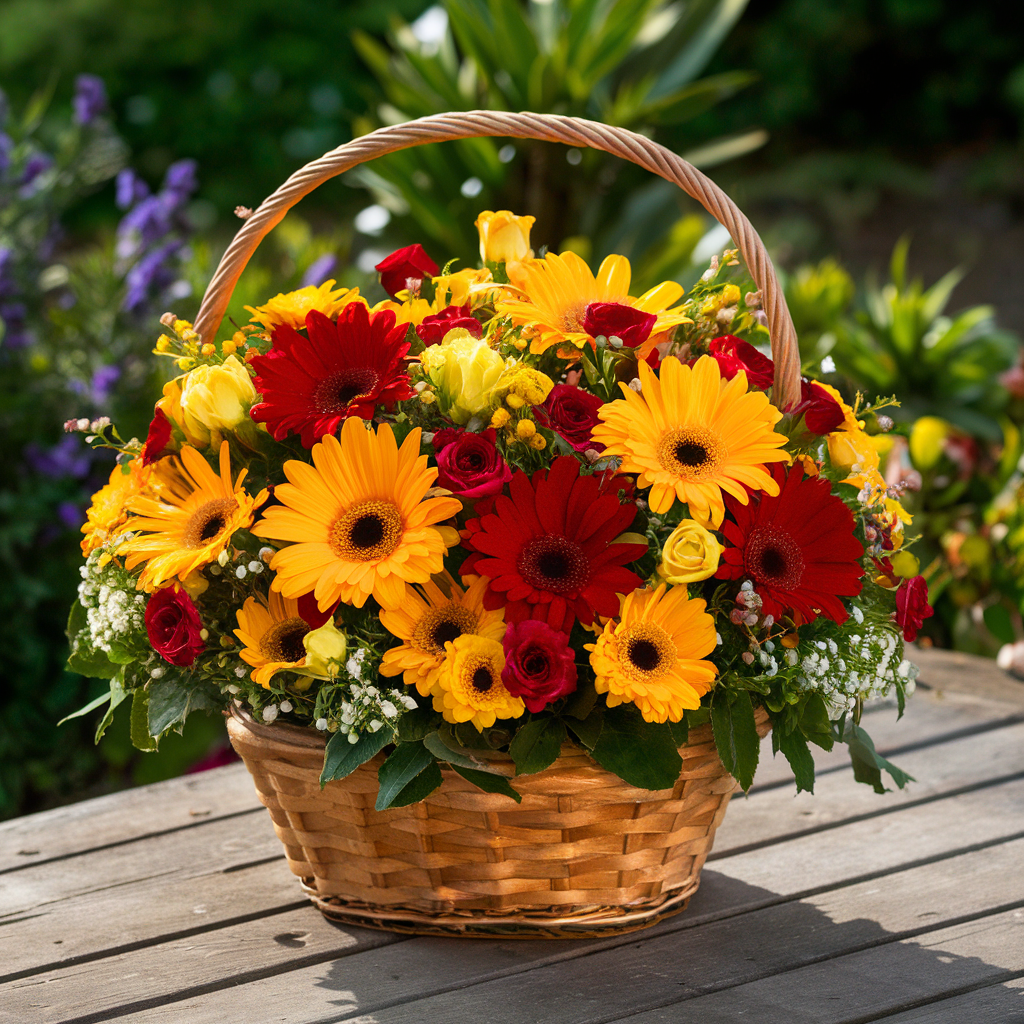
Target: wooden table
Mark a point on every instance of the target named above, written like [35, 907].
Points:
[173, 903]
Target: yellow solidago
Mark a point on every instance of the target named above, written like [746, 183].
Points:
[521, 385]
[109, 508]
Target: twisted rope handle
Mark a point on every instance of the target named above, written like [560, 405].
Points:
[548, 128]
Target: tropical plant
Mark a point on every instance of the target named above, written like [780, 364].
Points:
[631, 63]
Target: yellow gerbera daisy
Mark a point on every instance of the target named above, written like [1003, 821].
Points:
[428, 619]
[291, 308]
[469, 686]
[558, 288]
[109, 508]
[356, 520]
[690, 435]
[652, 655]
[190, 520]
[272, 634]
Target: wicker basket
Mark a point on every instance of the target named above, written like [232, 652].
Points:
[584, 853]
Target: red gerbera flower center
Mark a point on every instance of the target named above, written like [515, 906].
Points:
[555, 564]
[773, 556]
[337, 392]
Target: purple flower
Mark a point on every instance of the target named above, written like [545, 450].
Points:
[70, 514]
[144, 224]
[90, 98]
[97, 391]
[66, 458]
[34, 166]
[180, 180]
[6, 145]
[131, 189]
[149, 276]
[7, 285]
[319, 270]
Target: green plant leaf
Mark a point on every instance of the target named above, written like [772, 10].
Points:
[117, 695]
[103, 698]
[639, 752]
[436, 744]
[797, 753]
[680, 732]
[168, 705]
[84, 659]
[489, 782]
[587, 730]
[732, 721]
[868, 764]
[419, 787]
[997, 620]
[815, 723]
[342, 758]
[405, 762]
[536, 745]
[582, 701]
[415, 724]
[141, 738]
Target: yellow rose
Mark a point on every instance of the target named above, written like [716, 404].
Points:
[326, 648]
[504, 237]
[464, 369]
[216, 398]
[691, 553]
[927, 441]
[852, 449]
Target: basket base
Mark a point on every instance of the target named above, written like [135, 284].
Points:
[556, 923]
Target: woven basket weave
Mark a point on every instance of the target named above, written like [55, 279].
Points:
[584, 852]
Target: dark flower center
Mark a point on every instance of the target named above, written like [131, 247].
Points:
[555, 564]
[283, 641]
[472, 461]
[535, 663]
[336, 392]
[646, 651]
[691, 453]
[208, 521]
[773, 557]
[644, 655]
[445, 632]
[367, 532]
[482, 680]
[442, 625]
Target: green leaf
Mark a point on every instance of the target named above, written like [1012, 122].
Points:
[117, 695]
[168, 705]
[435, 743]
[997, 620]
[868, 764]
[680, 732]
[794, 746]
[84, 659]
[732, 721]
[140, 721]
[415, 724]
[406, 761]
[815, 723]
[419, 787]
[587, 730]
[640, 753]
[536, 745]
[103, 698]
[581, 703]
[489, 783]
[342, 758]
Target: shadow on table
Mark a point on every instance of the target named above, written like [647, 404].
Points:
[735, 949]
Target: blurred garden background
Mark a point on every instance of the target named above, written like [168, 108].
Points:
[876, 144]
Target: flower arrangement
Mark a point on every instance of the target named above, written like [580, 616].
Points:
[504, 508]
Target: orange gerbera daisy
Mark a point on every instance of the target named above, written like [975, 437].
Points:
[109, 508]
[690, 435]
[272, 634]
[557, 289]
[291, 308]
[358, 521]
[190, 518]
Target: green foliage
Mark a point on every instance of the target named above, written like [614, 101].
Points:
[537, 744]
[868, 764]
[342, 758]
[488, 782]
[631, 63]
[404, 767]
[732, 721]
[640, 753]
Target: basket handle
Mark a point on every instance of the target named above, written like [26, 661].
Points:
[544, 127]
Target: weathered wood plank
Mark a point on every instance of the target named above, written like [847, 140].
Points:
[440, 980]
[948, 672]
[120, 817]
[992, 1004]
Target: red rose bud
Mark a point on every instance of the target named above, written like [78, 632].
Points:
[173, 626]
[539, 665]
[310, 611]
[616, 320]
[571, 413]
[469, 465]
[435, 327]
[403, 266]
[912, 607]
[733, 354]
[157, 439]
[821, 412]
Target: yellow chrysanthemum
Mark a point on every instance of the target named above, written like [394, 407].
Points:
[109, 508]
[358, 521]
[558, 288]
[272, 634]
[468, 686]
[430, 617]
[690, 435]
[190, 520]
[653, 655]
[291, 307]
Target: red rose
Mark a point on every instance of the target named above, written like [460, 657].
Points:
[157, 439]
[435, 327]
[821, 412]
[734, 354]
[469, 465]
[173, 626]
[571, 413]
[539, 665]
[403, 266]
[617, 320]
[912, 607]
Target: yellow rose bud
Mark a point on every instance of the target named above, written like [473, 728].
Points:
[905, 564]
[525, 429]
[691, 553]
[852, 448]
[504, 237]
[326, 648]
[464, 369]
[217, 397]
[195, 584]
[427, 398]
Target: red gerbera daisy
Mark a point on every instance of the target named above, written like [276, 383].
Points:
[309, 385]
[548, 550]
[798, 548]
